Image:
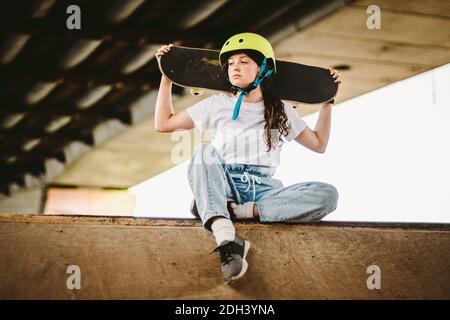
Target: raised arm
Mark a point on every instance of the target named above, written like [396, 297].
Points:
[166, 120]
[317, 140]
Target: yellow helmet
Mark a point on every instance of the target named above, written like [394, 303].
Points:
[247, 41]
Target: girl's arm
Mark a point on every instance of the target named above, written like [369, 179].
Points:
[317, 140]
[165, 119]
[323, 125]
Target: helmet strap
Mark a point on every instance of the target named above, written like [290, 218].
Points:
[253, 86]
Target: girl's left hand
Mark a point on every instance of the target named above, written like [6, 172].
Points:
[336, 76]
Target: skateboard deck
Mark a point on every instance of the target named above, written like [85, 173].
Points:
[198, 68]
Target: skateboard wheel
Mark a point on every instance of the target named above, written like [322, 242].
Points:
[196, 91]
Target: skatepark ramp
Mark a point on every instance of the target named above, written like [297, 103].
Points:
[85, 257]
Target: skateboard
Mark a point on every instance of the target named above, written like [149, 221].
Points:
[198, 69]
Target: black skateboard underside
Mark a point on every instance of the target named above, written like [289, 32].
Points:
[200, 68]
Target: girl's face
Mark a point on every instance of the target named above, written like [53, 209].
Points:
[242, 70]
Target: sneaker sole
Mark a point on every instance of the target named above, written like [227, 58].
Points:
[244, 263]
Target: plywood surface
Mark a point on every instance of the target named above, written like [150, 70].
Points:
[127, 258]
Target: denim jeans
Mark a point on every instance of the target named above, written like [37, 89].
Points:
[214, 182]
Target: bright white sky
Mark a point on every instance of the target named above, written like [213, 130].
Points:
[388, 156]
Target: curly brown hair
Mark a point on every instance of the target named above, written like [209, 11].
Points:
[274, 113]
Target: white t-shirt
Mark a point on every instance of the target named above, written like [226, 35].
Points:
[242, 140]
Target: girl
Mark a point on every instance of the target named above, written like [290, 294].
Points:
[237, 167]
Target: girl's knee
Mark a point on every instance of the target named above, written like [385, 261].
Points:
[333, 194]
[326, 204]
[327, 196]
[330, 197]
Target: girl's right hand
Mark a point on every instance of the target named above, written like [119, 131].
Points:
[161, 51]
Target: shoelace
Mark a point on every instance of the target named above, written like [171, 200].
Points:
[225, 252]
[246, 177]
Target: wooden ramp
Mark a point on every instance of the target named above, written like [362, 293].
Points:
[139, 258]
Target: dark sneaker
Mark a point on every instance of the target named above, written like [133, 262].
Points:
[232, 258]
[194, 211]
